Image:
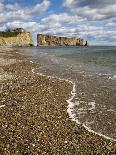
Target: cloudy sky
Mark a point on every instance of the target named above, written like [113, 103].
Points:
[93, 20]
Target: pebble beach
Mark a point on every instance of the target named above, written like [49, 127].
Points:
[33, 113]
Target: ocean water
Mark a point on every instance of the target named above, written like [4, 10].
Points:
[92, 72]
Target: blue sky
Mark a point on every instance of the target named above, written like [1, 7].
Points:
[93, 20]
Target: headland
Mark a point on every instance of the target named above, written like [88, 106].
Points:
[17, 37]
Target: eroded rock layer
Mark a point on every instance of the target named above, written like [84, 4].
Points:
[15, 39]
[46, 40]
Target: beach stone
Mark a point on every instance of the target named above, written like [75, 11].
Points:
[35, 119]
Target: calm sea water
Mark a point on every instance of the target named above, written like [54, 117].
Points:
[93, 71]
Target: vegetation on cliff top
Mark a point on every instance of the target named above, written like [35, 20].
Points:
[11, 32]
[8, 34]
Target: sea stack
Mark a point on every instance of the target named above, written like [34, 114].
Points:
[86, 43]
[47, 40]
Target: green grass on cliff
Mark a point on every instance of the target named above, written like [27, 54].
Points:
[8, 34]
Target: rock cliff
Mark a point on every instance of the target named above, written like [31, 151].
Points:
[15, 39]
[46, 40]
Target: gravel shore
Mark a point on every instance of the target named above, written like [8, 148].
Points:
[33, 114]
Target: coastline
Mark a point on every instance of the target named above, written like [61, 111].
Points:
[71, 104]
[34, 116]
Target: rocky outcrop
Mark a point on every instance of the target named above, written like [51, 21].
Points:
[46, 40]
[86, 43]
[15, 39]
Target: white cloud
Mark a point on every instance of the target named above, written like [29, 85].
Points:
[40, 8]
[1, 7]
[92, 10]
[100, 19]
[64, 24]
[9, 12]
[63, 18]
[68, 3]
[96, 24]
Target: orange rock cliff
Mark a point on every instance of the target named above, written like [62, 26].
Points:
[16, 39]
[46, 40]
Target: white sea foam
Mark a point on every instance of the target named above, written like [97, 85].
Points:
[71, 105]
[105, 74]
[112, 77]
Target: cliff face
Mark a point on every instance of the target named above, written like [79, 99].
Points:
[15, 39]
[45, 40]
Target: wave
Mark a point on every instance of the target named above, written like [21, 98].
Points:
[71, 105]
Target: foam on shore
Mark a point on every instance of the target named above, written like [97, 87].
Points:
[71, 104]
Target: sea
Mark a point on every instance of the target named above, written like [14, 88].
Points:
[92, 72]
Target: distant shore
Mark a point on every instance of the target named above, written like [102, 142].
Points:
[34, 118]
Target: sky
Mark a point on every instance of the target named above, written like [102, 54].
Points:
[92, 20]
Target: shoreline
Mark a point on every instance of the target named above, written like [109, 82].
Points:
[70, 107]
[27, 106]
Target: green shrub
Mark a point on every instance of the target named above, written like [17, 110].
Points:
[8, 34]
